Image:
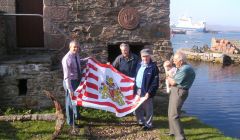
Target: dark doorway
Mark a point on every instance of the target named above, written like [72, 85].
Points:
[114, 51]
[29, 28]
[22, 87]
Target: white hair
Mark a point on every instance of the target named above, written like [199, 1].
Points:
[74, 43]
[180, 56]
[124, 45]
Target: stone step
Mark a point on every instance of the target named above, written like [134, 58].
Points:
[32, 51]
[26, 59]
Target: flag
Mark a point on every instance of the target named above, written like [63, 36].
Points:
[103, 87]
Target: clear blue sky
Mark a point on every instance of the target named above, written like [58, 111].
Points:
[215, 12]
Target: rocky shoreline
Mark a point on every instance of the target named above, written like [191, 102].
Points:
[214, 57]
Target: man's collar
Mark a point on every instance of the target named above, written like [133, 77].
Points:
[130, 56]
[182, 66]
[144, 65]
[72, 54]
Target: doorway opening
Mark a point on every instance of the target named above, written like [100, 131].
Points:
[114, 50]
[29, 28]
[22, 87]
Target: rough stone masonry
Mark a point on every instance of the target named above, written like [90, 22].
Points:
[97, 24]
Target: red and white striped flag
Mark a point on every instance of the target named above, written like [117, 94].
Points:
[103, 87]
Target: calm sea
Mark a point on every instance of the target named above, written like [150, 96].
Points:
[215, 95]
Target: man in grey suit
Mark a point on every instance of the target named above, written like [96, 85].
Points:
[180, 85]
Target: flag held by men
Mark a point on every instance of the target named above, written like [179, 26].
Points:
[103, 87]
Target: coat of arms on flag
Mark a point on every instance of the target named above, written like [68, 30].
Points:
[110, 90]
[103, 87]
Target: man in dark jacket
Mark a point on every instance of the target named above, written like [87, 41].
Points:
[127, 61]
[146, 85]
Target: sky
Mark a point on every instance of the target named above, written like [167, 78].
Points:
[215, 12]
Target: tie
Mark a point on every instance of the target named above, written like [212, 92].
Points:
[78, 68]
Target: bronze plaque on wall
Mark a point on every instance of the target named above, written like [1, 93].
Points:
[128, 18]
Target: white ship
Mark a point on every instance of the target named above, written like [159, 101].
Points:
[185, 24]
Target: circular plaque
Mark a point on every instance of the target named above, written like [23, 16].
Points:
[128, 18]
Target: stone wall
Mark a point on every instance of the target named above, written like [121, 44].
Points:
[8, 6]
[97, 20]
[209, 57]
[95, 24]
[33, 75]
[212, 57]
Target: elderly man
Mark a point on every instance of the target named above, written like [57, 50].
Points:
[72, 76]
[146, 85]
[126, 62]
[181, 83]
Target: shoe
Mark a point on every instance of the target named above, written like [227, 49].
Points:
[146, 128]
[141, 124]
[76, 125]
[168, 134]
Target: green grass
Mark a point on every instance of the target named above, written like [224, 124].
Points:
[194, 129]
[33, 130]
[21, 111]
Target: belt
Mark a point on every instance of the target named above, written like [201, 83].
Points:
[181, 88]
[78, 80]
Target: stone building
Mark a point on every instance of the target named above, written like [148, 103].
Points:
[31, 46]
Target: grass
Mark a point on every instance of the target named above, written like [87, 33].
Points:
[22, 111]
[193, 128]
[98, 121]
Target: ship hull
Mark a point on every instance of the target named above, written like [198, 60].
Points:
[184, 29]
[186, 24]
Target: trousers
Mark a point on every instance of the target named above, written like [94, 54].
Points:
[176, 100]
[72, 111]
[145, 108]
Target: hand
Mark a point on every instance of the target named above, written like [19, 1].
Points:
[171, 81]
[168, 78]
[93, 58]
[137, 96]
[146, 96]
[71, 95]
